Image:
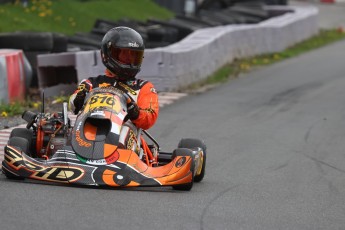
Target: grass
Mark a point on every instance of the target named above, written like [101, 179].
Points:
[238, 66]
[69, 16]
[17, 107]
[33, 104]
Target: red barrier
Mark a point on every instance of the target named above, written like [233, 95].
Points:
[15, 74]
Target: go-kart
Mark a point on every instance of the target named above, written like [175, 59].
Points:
[102, 148]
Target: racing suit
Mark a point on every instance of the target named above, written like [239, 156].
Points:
[142, 92]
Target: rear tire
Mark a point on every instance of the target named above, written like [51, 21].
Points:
[26, 134]
[22, 132]
[191, 143]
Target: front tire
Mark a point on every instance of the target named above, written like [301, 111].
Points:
[191, 143]
[188, 186]
[184, 187]
[9, 174]
[21, 144]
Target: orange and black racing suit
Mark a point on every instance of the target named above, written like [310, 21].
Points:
[143, 93]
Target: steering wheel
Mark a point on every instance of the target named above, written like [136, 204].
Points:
[31, 123]
[129, 99]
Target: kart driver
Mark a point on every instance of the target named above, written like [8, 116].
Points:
[122, 50]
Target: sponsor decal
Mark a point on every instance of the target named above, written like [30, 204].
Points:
[113, 158]
[180, 162]
[99, 113]
[60, 174]
[78, 127]
[80, 141]
[96, 162]
[84, 86]
[131, 140]
[153, 90]
[105, 100]
[56, 173]
[200, 160]
[104, 85]
[129, 89]
[81, 87]
[132, 83]
[133, 44]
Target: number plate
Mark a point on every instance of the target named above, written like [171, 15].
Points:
[105, 100]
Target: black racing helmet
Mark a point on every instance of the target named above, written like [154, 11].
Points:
[122, 52]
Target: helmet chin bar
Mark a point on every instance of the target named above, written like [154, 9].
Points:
[122, 72]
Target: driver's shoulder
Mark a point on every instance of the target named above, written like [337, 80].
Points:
[141, 83]
[101, 81]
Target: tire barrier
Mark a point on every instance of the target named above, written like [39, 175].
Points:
[14, 75]
[160, 33]
[33, 44]
[195, 57]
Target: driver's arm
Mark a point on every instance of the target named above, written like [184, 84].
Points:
[76, 100]
[148, 107]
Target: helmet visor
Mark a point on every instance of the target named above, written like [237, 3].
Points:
[127, 56]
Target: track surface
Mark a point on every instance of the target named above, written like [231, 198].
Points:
[276, 160]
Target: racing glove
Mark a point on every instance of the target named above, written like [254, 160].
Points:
[133, 110]
[78, 102]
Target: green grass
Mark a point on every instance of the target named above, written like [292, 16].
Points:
[17, 107]
[70, 16]
[238, 66]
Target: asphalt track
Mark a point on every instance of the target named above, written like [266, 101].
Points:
[276, 160]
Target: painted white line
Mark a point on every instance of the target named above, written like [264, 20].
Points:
[3, 134]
